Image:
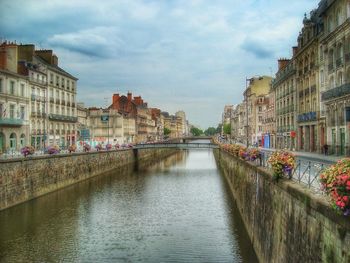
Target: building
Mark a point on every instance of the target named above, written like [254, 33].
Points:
[174, 124]
[255, 103]
[310, 121]
[334, 71]
[83, 124]
[268, 122]
[284, 88]
[182, 115]
[106, 126]
[159, 123]
[14, 101]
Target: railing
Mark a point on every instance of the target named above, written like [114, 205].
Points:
[57, 117]
[178, 145]
[308, 116]
[42, 82]
[306, 171]
[11, 122]
[336, 92]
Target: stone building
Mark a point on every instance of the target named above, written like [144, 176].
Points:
[52, 97]
[14, 101]
[255, 102]
[269, 123]
[174, 124]
[334, 73]
[106, 126]
[159, 123]
[311, 124]
[182, 115]
[284, 87]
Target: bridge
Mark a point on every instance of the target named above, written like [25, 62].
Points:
[182, 145]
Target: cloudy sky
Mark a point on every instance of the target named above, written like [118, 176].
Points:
[191, 55]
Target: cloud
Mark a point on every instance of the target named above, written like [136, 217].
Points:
[178, 54]
[258, 49]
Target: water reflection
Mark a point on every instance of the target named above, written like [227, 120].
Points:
[178, 210]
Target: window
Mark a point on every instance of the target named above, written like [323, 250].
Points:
[22, 90]
[51, 78]
[1, 88]
[43, 107]
[12, 111]
[12, 87]
[260, 118]
[57, 110]
[13, 141]
[2, 111]
[62, 81]
[57, 81]
[260, 108]
[260, 128]
[23, 140]
[22, 113]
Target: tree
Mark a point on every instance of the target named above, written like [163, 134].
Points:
[196, 132]
[210, 131]
[218, 129]
[166, 131]
[227, 128]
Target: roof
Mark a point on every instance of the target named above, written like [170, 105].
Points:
[55, 68]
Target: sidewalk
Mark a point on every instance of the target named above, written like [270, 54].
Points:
[310, 156]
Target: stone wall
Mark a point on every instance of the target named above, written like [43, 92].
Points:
[285, 221]
[27, 178]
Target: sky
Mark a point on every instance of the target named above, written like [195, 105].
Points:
[191, 55]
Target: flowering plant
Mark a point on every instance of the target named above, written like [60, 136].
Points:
[86, 147]
[27, 150]
[253, 153]
[335, 182]
[98, 147]
[72, 148]
[108, 146]
[282, 163]
[53, 149]
[243, 154]
[117, 146]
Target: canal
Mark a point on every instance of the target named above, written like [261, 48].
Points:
[177, 210]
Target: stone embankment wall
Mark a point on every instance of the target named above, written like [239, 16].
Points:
[27, 178]
[285, 221]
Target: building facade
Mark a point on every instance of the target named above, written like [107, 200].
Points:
[334, 73]
[284, 87]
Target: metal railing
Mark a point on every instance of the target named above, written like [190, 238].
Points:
[306, 171]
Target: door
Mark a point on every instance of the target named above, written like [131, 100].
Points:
[342, 141]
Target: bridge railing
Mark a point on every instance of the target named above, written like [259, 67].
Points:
[177, 145]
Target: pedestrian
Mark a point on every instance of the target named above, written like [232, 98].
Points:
[325, 147]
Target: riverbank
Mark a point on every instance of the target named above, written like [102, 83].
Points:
[23, 179]
[285, 221]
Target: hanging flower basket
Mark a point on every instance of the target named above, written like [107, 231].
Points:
[86, 147]
[108, 146]
[282, 163]
[98, 147]
[243, 154]
[117, 146]
[253, 154]
[72, 148]
[27, 150]
[53, 149]
[335, 182]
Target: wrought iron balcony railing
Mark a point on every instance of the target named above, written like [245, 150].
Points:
[336, 92]
[11, 122]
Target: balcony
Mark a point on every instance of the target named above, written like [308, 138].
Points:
[330, 67]
[347, 57]
[63, 118]
[38, 81]
[308, 116]
[339, 62]
[11, 122]
[336, 92]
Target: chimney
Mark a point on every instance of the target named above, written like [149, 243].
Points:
[3, 57]
[26, 52]
[54, 60]
[295, 51]
[282, 63]
[129, 96]
[45, 54]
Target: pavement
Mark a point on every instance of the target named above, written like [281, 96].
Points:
[310, 156]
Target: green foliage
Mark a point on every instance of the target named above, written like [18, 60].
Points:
[227, 128]
[196, 132]
[166, 131]
[210, 131]
[218, 129]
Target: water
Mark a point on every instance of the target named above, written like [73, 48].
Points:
[178, 210]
